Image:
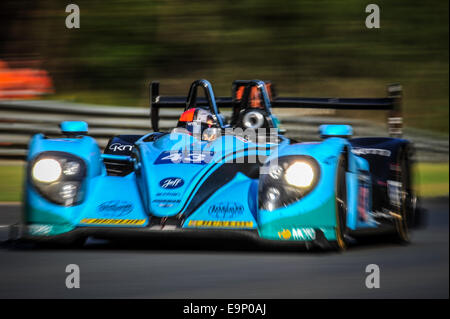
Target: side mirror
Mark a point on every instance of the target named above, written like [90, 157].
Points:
[335, 130]
[74, 128]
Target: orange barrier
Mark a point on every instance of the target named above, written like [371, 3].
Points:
[23, 83]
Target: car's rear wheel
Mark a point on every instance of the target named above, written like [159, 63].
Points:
[341, 205]
[403, 177]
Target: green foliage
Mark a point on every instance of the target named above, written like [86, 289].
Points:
[11, 176]
[432, 179]
[307, 47]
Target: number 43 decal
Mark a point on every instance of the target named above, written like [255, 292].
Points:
[178, 157]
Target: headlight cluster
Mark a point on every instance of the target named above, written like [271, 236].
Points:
[286, 180]
[58, 176]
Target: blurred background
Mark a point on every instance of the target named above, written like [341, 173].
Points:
[308, 48]
[305, 47]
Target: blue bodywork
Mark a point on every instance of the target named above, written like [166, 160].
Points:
[179, 182]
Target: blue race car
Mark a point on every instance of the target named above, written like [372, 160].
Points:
[209, 175]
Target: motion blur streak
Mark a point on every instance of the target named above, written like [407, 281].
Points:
[235, 270]
[306, 47]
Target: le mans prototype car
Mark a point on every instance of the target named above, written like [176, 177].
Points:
[214, 175]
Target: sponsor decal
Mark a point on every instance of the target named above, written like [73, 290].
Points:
[220, 224]
[115, 208]
[166, 200]
[112, 221]
[117, 147]
[165, 205]
[371, 151]
[298, 234]
[171, 194]
[225, 210]
[171, 182]
[285, 234]
[304, 233]
[179, 157]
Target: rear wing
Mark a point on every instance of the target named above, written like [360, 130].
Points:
[392, 103]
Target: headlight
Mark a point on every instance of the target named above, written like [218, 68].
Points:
[300, 174]
[58, 177]
[288, 179]
[46, 170]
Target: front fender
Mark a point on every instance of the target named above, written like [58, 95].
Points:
[39, 210]
[84, 147]
[317, 209]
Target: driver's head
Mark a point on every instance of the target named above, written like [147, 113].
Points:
[196, 120]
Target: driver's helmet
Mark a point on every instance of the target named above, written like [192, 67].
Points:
[196, 120]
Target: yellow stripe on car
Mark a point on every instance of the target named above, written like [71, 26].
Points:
[220, 224]
[112, 221]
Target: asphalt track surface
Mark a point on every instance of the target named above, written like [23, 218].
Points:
[231, 268]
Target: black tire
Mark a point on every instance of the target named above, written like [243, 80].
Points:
[341, 205]
[403, 176]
